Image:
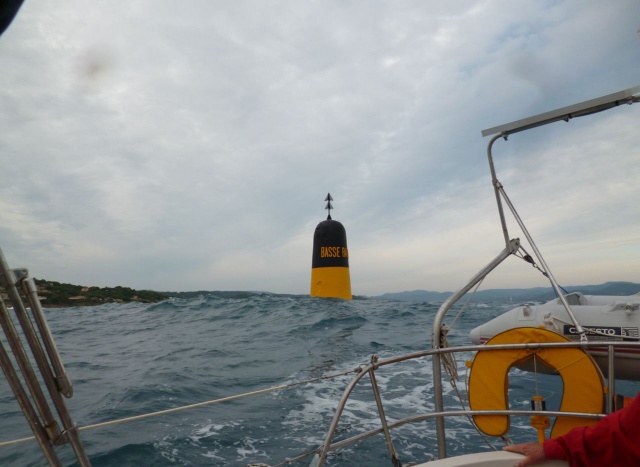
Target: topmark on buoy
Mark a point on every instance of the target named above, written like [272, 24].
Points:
[330, 261]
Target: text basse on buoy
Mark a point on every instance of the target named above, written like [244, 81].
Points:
[330, 261]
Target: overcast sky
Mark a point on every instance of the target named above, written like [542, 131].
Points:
[190, 145]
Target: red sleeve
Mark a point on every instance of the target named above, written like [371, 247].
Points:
[613, 441]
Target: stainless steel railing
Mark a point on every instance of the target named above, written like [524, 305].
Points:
[39, 390]
[386, 425]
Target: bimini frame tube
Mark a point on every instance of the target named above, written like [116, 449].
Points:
[496, 184]
[628, 96]
[512, 247]
[500, 192]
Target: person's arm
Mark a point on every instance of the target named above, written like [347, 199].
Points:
[614, 440]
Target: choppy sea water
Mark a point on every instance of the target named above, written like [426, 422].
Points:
[132, 359]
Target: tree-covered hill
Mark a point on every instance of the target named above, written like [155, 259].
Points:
[56, 294]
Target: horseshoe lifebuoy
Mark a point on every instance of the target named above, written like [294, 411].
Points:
[489, 382]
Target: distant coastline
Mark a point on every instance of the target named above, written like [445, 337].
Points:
[60, 295]
[517, 295]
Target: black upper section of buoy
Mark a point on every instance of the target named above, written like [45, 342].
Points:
[330, 245]
[8, 11]
[330, 242]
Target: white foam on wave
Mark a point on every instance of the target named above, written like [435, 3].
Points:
[249, 449]
[244, 448]
[213, 455]
[211, 429]
[167, 450]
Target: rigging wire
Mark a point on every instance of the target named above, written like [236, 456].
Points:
[448, 360]
[192, 406]
[529, 259]
[451, 367]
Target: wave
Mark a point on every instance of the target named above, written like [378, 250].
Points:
[129, 359]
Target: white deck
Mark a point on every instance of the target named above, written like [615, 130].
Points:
[487, 459]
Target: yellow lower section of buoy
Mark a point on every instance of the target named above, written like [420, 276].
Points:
[331, 282]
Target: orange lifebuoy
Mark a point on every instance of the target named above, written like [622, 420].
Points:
[489, 382]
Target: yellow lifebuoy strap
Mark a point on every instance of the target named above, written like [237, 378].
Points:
[489, 382]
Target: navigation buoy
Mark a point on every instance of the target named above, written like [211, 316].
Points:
[330, 263]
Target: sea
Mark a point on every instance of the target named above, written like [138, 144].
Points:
[133, 359]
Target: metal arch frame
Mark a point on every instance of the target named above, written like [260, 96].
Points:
[627, 96]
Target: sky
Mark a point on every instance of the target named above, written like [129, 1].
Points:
[178, 146]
